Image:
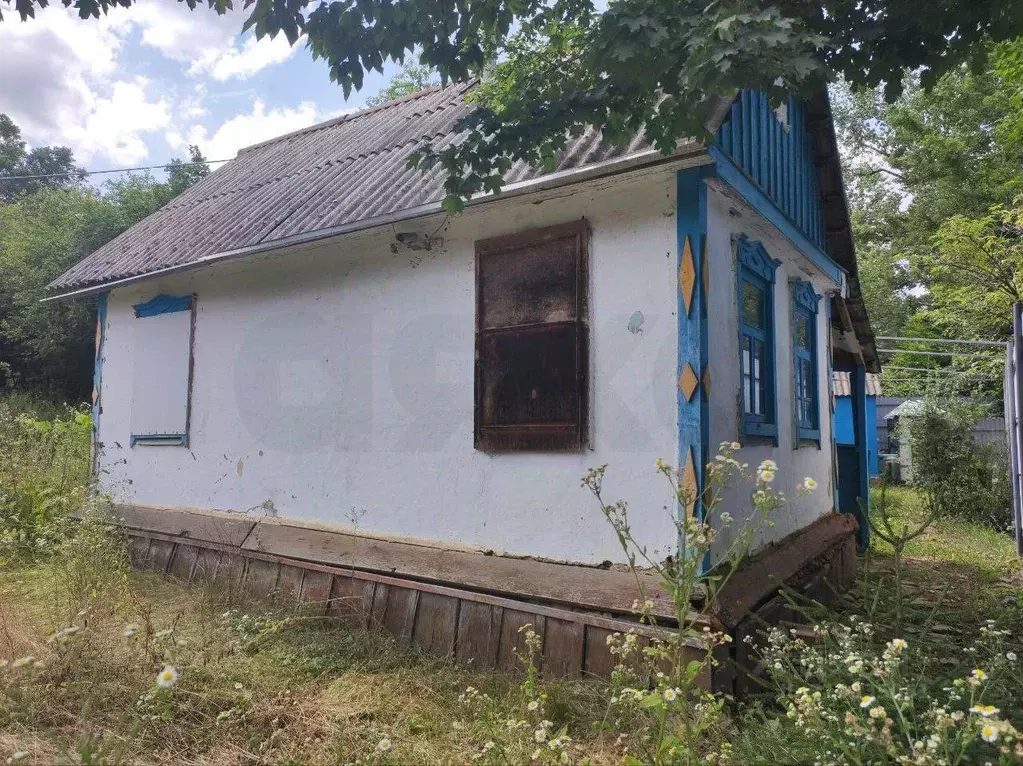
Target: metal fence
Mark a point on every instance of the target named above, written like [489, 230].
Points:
[1013, 392]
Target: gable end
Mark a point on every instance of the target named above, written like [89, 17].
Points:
[772, 148]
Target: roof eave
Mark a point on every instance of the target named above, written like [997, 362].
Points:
[687, 155]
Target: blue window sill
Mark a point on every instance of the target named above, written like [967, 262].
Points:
[809, 437]
[763, 430]
[159, 440]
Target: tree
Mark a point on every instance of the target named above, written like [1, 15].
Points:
[651, 64]
[975, 270]
[914, 165]
[411, 79]
[935, 179]
[43, 232]
[55, 163]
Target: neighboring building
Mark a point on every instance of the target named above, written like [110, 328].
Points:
[897, 414]
[396, 406]
[844, 432]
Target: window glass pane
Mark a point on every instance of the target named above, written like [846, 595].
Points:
[752, 305]
[746, 379]
[802, 330]
[758, 379]
[808, 390]
[529, 377]
[533, 284]
[799, 390]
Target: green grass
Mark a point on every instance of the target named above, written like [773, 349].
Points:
[308, 690]
[956, 575]
[287, 687]
[955, 542]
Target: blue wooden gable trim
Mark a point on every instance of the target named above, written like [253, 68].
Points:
[772, 148]
[693, 346]
[163, 304]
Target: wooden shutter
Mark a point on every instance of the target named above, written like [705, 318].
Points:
[532, 363]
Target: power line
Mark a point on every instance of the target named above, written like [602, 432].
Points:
[925, 382]
[114, 170]
[936, 353]
[941, 370]
[900, 339]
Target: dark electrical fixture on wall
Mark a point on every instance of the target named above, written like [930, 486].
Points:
[413, 240]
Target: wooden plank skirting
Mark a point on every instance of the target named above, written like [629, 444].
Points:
[469, 605]
[448, 621]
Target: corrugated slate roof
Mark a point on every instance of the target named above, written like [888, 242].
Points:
[843, 384]
[329, 175]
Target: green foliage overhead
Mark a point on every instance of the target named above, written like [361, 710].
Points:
[659, 64]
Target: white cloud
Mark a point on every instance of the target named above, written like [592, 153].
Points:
[209, 43]
[71, 82]
[114, 125]
[250, 58]
[59, 85]
[245, 129]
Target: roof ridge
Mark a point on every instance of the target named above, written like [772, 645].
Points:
[354, 115]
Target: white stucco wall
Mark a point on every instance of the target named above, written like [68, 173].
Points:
[728, 217]
[335, 384]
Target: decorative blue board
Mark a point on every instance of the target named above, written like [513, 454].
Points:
[775, 155]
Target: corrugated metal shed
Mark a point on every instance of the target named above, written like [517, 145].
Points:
[843, 384]
[349, 169]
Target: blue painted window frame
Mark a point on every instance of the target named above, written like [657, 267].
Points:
[805, 361]
[168, 304]
[757, 269]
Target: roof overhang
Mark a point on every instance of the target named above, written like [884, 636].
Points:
[690, 154]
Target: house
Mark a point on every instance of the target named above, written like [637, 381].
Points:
[845, 434]
[312, 378]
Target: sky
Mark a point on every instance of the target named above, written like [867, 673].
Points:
[139, 85]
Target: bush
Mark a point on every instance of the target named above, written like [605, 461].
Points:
[958, 477]
[852, 694]
[44, 475]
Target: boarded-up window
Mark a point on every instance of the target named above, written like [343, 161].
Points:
[162, 375]
[531, 344]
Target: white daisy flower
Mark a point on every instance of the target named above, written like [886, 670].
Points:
[383, 745]
[985, 710]
[167, 677]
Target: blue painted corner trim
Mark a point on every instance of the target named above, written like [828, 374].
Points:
[163, 304]
[97, 375]
[734, 177]
[693, 345]
[859, 390]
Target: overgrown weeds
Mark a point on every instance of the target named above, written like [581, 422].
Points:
[105, 666]
[44, 476]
